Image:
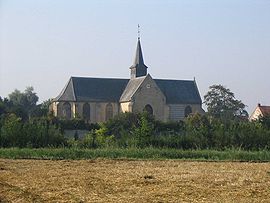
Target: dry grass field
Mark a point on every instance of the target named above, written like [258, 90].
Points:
[104, 180]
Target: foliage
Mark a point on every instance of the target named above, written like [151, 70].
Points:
[34, 133]
[131, 130]
[221, 103]
[135, 153]
[74, 124]
[265, 121]
[144, 130]
[11, 131]
[26, 100]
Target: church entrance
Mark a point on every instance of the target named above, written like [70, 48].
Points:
[148, 108]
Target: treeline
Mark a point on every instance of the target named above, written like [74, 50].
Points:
[129, 130]
[195, 132]
[38, 131]
[24, 123]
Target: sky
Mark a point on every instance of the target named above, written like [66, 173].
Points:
[45, 42]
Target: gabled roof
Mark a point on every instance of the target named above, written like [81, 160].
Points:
[265, 110]
[131, 88]
[179, 91]
[67, 94]
[93, 89]
[115, 90]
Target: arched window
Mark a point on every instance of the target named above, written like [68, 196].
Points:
[109, 111]
[188, 111]
[86, 112]
[148, 108]
[67, 110]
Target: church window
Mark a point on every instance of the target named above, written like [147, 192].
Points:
[67, 110]
[148, 108]
[109, 111]
[86, 112]
[188, 111]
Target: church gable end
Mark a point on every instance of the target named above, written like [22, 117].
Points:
[149, 95]
[67, 94]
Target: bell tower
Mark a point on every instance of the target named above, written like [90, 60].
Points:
[138, 68]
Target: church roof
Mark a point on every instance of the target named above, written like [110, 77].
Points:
[110, 90]
[179, 91]
[93, 89]
[131, 88]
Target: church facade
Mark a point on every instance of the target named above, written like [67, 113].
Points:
[100, 99]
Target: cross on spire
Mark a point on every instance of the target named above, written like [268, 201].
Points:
[139, 32]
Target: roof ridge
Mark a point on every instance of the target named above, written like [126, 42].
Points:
[82, 77]
[173, 80]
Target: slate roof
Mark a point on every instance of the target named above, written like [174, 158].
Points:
[138, 60]
[93, 89]
[179, 91]
[131, 88]
[110, 90]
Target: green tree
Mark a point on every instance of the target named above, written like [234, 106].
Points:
[42, 110]
[221, 103]
[145, 130]
[24, 101]
[11, 131]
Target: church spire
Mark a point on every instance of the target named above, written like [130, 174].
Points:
[138, 56]
[138, 68]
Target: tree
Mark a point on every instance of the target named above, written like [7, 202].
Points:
[221, 103]
[42, 109]
[2, 107]
[26, 101]
[11, 131]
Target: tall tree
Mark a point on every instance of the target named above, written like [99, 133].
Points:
[221, 103]
[26, 100]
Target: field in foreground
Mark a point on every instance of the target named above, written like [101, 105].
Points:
[105, 180]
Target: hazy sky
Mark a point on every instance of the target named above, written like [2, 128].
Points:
[44, 42]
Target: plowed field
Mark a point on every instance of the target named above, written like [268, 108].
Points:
[133, 181]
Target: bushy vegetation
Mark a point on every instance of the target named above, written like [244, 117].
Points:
[134, 153]
[33, 133]
[23, 123]
[130, 130]
[196, 132]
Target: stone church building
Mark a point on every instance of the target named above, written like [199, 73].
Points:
[99, 99]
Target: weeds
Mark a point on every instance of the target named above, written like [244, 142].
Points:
[135, 153]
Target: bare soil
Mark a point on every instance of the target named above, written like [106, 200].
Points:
[133, 181]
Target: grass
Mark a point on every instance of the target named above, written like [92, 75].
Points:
[134, 153]
[122, 180]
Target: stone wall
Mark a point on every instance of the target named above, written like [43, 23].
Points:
[126, 107]
[149, 93]
[97, 110]
[177, 111]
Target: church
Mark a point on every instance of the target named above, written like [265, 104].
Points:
[100, 99]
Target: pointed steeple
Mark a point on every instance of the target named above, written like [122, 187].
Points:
[138, 68]
[139, 56]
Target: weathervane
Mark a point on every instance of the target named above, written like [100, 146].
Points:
[139, 33]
